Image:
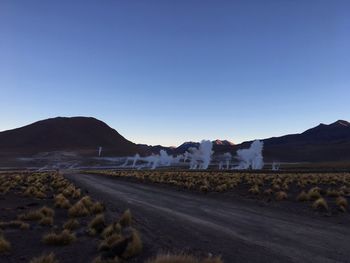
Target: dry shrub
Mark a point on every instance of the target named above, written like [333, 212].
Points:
[107, 260]
[204, 188]
[86, 200]
[314, 193]
[319, 204]
[342, 203]
[281, 196]
[46, 221]
[61, 239]
[268, 192]
[97, 208]
[71, 224]
[31, 216]
[110, 241]
[76, 194]
[78, 210]
[37, 215]
[182, 259]
[333, 193]
[24, 226]
[62, 202]
[125, 219]
[5, 245]
[254, 190]
[46, 211]
[97, 224]
[114, 228]
[134, 245]
[50, 258]
[302, 197]
[14, 224]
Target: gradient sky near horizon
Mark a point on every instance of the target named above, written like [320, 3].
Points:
[165, 72]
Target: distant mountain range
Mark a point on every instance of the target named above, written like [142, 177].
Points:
[84, 135]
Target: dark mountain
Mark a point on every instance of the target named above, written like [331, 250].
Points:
[185, 146]
[69, 134]
[321, 143]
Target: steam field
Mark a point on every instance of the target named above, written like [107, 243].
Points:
[323, 192]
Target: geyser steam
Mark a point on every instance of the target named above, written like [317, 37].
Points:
[252, 157]
[200, 158]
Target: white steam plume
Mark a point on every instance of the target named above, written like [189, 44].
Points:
[252, 157]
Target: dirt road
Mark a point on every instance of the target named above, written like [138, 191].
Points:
[240, 231]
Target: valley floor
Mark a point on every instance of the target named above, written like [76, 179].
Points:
[173, 220]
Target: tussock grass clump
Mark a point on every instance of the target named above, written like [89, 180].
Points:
[125, 219]
[78, 210]
[107, 260]
[50, 258]
[182, 259]
[134, 245]
[314, 193]
[320, 204]
[61, 239]
[302, 197]
[46, 221]
[86, 200]
[97, 225]
[204, 188]
[110, 241]
[342, 203]
[14, 224]
[46, 211]
[114, 228]
[71, 224]
[76, 194]
[5, 245]
[34, 215]
[332, 193]
[37, 215]
[268, 192]
[254, 190]
[97, 208]
[62, 202]
[281, 195]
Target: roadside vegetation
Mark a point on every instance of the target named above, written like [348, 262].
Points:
[65, 216]
[44, 218]
[322, 192]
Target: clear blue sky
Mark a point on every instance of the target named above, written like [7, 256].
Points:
[164, 72]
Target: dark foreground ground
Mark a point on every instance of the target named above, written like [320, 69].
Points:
[238, 229]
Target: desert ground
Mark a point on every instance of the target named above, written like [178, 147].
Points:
[237, 228]
[135, 216]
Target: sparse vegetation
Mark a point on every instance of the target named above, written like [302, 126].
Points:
[61, 208]
[5, 245]
[301, 187]
[302, 197]
[60, 239]
[71, 224]
[52, 191]
[50, 258]
[134, 246]
[125, 219]
[320, 203]
[97, 224]
[342, 203]
[183, 259]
